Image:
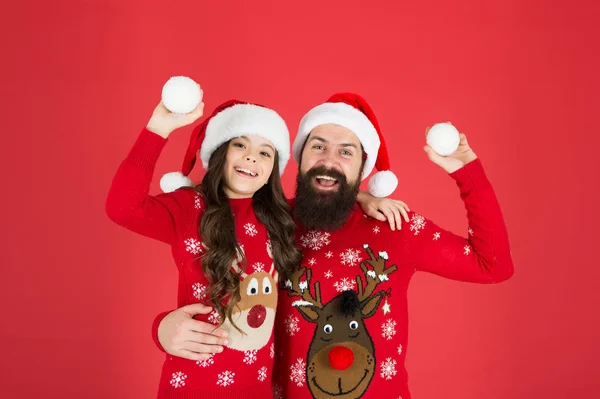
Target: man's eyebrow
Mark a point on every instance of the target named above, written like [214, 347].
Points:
[322, 140]
[318, 138]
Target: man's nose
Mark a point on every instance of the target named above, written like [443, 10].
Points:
[327, 160]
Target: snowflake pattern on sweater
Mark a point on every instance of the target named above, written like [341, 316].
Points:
[349, 298]
[173, 218]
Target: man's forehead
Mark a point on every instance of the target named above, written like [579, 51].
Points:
[334, 134]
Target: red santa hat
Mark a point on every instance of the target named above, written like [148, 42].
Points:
[354, 113]
[230, 120]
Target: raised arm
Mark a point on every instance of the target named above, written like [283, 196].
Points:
[128, 202]
[482, 256]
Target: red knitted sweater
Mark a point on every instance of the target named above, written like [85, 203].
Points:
[244, 368]
[342, 324]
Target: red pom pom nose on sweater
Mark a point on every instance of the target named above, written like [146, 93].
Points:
[256, 316]
[341, 357]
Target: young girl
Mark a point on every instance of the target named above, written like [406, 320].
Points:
[232, 238]
[224, 236]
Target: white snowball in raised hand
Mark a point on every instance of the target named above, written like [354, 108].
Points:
[443, 138]
[181, 95]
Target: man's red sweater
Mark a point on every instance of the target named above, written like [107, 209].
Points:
[244, 368]
[342, 323]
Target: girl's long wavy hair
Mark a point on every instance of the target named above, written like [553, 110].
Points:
[217, 229]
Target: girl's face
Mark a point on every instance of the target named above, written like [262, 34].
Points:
[248, 165]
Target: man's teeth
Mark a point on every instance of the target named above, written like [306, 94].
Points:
[326, 178]
[249, 172]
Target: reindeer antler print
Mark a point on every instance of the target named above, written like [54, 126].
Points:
[373, 277]
[301, 289]
[340, 323]
[235, 263]
[272, 270]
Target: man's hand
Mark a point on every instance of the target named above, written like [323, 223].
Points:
[453, 162]
[183, 336]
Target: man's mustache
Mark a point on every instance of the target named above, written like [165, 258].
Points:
[322, 170]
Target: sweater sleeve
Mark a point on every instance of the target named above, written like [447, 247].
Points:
[484, 256]
[157, 320]
[129, 204]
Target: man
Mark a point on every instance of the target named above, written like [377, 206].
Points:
[341, 330]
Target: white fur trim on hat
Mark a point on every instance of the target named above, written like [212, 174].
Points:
[246, 120]
[174, 180]
[344, 115]
[383, 183]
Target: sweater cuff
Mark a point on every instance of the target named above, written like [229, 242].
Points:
[146, 150]
[155, 325]
[470, 175]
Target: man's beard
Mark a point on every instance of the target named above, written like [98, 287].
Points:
[324, 210]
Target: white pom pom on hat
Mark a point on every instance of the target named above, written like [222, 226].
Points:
[354, 113]
[383, 183]
[171, 181]
[229, 120]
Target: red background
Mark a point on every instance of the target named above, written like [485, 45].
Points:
[520, 78]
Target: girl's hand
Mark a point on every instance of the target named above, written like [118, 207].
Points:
[163, 122]
[384, 209]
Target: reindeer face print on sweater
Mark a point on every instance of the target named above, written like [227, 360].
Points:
[341, 357]
[255, 312]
